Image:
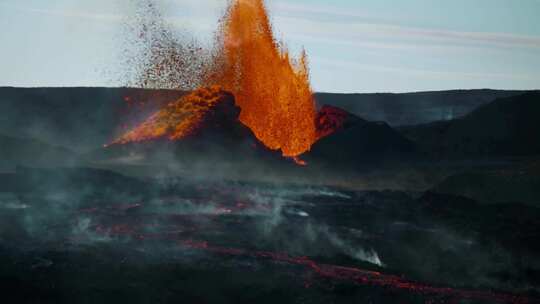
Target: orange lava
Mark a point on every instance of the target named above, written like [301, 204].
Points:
[178, 119]
[272, 89]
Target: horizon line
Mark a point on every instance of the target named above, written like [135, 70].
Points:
[315, 92]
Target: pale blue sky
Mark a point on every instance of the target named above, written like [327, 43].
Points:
[353, 45]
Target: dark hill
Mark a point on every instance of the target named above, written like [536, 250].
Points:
[512, 183]
[78, 118]
[86, 118]
[506, 127]
[33, 152]
[413, 108]
[201, 127]
[361, 143]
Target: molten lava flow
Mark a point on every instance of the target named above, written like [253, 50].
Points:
[178, 119]
[272, 90]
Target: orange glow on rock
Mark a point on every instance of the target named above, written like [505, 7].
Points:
[178, 119]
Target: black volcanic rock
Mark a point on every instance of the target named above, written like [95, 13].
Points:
[205, 114]
[83, 119]
[71, 182]
[515, 225]
[512, 183]
[360, 143]
[78, 118]
[200, 127]
[413, 108]
[505, 127]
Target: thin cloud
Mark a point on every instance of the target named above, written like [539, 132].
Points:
[339, 24]
[357, 66]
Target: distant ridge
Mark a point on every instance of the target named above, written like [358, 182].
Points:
[397, 109]
[78, 118]
[400, 109]
[83, 118]
[505, 127]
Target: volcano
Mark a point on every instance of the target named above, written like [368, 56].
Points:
[202, 126]
[271, 87]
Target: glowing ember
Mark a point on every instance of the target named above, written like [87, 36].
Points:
[272, 90]
[178, 119]
[299, 161]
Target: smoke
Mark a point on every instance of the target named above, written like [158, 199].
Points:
[82, 232]
[328, 225]
[356, 252]
[308, 236]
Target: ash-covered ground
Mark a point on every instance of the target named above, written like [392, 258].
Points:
[93, 236]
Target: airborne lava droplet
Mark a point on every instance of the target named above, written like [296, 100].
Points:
[299, 161]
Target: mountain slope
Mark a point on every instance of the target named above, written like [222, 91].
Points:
[358, 143]
[78, 118]
[505, 127]
[86, 118]
[25, 151]
[201, 127]
[413, 108]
